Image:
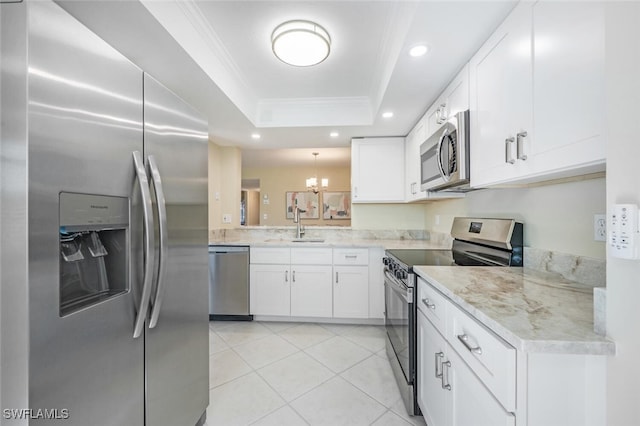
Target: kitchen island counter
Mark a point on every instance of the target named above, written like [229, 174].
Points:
[533, 311]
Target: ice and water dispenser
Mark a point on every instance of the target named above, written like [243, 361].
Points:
[94, 250]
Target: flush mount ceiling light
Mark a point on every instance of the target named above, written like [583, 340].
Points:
[300, 43]
[387, 114]
[255, 135]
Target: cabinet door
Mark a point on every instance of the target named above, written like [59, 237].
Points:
[311, 291]
[377, 170]
[472, 403]
[412, 162]
[457, 93]
[501, 100]
[269, 289]
[351, 291]
[434, 401]
[568, 86]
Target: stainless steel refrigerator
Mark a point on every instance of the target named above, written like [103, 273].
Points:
[115, 308]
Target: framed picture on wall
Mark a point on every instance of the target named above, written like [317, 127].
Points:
[336, 205]
[307, 201]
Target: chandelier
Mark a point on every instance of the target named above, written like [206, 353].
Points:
[312, 182]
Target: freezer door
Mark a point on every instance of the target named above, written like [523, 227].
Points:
[177, 350]
[85, 119]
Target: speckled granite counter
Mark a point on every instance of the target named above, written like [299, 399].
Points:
[531, 310]
[332, 237]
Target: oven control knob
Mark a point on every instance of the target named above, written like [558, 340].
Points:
[386, 260]
[400, 274]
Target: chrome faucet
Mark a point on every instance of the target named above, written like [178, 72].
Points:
[296, 220]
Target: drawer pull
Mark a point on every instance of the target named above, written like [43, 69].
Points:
[465, 341]
[428, 304]
[445, 375]
[439, 357]
[350, 256]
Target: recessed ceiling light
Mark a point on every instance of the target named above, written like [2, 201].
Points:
[255, 135]
[334, 134]
[387, 114]
[300, 43]
[418, 50]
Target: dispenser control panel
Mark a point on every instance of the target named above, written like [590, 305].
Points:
[623, 235]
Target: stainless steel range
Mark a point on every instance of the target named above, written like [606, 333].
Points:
[477, 242]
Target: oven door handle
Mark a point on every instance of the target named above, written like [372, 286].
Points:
[393, 285]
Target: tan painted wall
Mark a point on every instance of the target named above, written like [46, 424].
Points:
[225, 164]
[388, 216]
[275, 182]
[556, 217]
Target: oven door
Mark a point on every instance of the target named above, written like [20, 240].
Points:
[400, 323]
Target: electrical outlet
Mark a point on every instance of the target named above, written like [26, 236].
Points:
[265, 216]
[226, 218]
[599, 227]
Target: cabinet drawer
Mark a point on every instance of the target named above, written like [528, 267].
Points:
[311, 256]
[270, 255]
[433, 305]
[350, 256]
[490, 358]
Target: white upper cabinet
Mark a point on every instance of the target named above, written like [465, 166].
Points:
[412, 161]
[537, 95]
[501, 100]
[454, 98]
[568, 87]
[377, 170]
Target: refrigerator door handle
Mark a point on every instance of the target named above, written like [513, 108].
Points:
[162, 253]
[148, 244]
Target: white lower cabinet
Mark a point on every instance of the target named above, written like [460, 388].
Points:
[311, 293]
[318, 282]
[351, 291]
[468, 375]
[269, 292]
[449, 393]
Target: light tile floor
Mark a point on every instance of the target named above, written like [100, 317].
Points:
[290, 374]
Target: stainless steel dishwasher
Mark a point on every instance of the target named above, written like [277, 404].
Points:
[229, 283]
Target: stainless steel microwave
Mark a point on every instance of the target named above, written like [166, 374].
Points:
[444, 157]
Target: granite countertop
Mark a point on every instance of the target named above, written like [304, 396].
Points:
[382, 243]
[531, 310]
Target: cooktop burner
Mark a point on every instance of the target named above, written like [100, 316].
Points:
[411, 257]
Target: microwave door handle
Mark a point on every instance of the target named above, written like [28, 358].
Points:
[444, 175]
[162, 253]
[143, 182]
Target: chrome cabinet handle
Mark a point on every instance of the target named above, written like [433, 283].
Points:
[164, 241]
[143, 183]
[439, 356]
[465, 341]
[445, 375]
[293, 276]
[520, 146]
[286, 276]
[336, 277]
[509, 150]
[428, 303]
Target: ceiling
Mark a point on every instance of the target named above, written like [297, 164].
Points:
[217, 56]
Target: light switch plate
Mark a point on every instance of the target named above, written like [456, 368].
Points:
[226, 218]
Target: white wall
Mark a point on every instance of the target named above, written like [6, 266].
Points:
[557, 217]
[623, 186]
